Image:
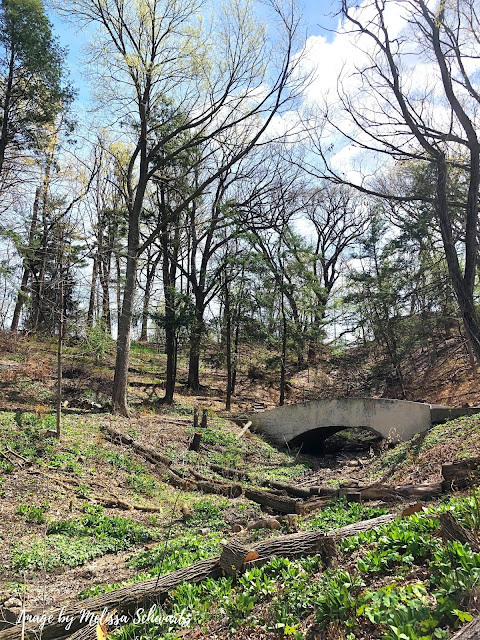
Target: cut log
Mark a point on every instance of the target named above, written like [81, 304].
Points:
[299, 544]
[218, 487]
[291, 489]
[364, 525]
[385, 492]
[125, 600]
[228, 490]
[327, 492]
[235, 474]
[283, 504]
[195, 443]
[313, 504]
[461, 474]
[451, 529]
[234, 555]
[204, 419]
[470, 631]
[265, 523]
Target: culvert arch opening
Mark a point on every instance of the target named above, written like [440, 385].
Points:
[334, 439]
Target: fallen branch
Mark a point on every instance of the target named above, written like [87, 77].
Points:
[150, 455]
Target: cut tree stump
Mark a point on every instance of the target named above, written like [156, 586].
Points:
[451, 529]
[195, 443]
[283, 504]
[470, 631]
[462, 474]
[291, 489]
[234, 556]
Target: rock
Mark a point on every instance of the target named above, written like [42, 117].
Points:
[353, 463]
[205, 531]
[13, 603]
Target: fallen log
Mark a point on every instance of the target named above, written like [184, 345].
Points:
[283, 504]
[385, 492]
[470, 631]
[125, 600]
[218, 487]
[451, 529]
[299, 544]
[234, 474]
[150, 455]
[291, 489]
[228, 490]
[364, 525]
[146, 451]
[313, 504]
[461, 474]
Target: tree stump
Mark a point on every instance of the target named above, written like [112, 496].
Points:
[195, 443]
[451, 529]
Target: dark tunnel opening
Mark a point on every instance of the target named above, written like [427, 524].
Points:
[318, 442]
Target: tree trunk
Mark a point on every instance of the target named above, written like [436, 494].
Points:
[26, 268]
[195, 344]
[151, 271]
[228, 343]
[6, 109]
[283, 363]
[93, 291]
[119, 393]
[60, 339]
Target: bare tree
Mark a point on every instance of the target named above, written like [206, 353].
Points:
[430, 119]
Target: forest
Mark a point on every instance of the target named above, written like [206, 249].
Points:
[212, 209]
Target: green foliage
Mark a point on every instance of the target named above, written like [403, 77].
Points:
[73, 542]
[143, 483]
[97, 342]
[339, 513]
[33, 60]
[207, 513]
[402, 612]
[32, 513]
[177, 552]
